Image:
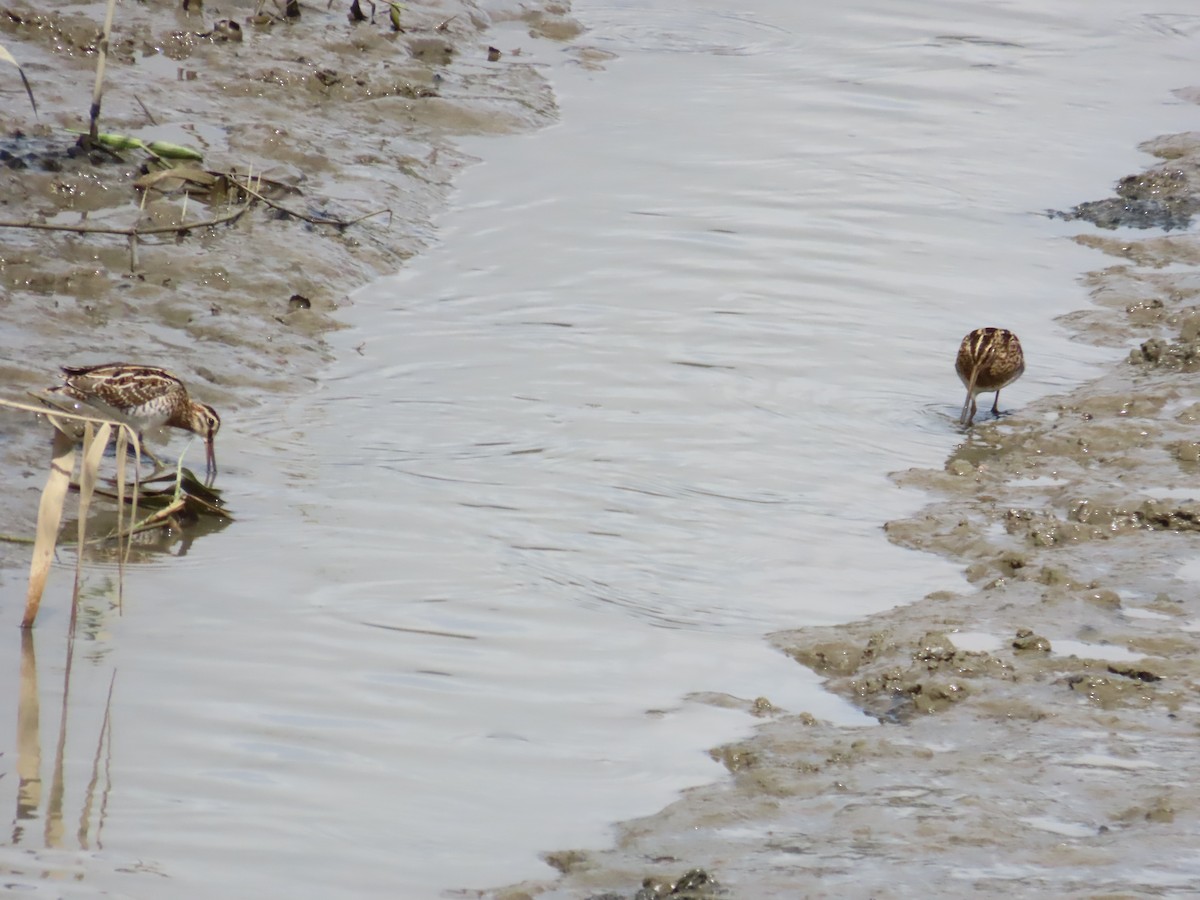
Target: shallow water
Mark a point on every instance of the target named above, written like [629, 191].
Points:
[634, 409]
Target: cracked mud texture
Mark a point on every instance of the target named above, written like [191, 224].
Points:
[345, 118]
[1038, 732]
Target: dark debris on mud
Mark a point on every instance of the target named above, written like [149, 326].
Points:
[695, 884]
[1166, 196]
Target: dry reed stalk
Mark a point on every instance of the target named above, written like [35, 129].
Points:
[54, 495]
[95, 440]
[97, 432]
[101, 59]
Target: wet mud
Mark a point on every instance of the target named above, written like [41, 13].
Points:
[335, 120]
[1037, 728]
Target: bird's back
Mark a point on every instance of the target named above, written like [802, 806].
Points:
[146, 393]
[989, 359]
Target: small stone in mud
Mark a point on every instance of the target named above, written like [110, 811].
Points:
[1107, 692]
[1053, 575]
[1160, 184]
[1163, 810]
[695, 884]
[227, 30]
[1026, 640]
[932, 697]
[829, 657]
[935, 647]
[566, 860]
[1146, 312]
[299, 301]
[1161, 354]
[493, 54]
[1137, 673]
[1189, 415]
[763, 707]
[735, 758]
[1104, 599]
[554, 27]
[960, 467]
[1160, 516]
[1187, 451]
[431, 50]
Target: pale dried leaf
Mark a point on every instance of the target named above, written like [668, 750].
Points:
[170, 180]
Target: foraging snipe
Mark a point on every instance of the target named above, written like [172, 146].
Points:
[145, 397]
[988, 360]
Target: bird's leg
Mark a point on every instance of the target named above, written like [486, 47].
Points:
[996, 405]
[145, 452]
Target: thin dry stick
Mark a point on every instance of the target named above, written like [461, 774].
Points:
[144, 110]
[128, 232]
[312, 220]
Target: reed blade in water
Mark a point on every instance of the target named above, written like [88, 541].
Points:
[95, 441]
[7, 57]
[54, 495]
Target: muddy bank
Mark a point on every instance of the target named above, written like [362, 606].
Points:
[342, 118]
[1038, 728]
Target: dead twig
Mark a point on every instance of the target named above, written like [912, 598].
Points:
[312, 220]
[131, 232]
[101, 60]
[144, 110]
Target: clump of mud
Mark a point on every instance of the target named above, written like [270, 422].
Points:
[1166, 196]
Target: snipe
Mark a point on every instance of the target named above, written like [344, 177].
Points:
[988, 359]
[145, 397]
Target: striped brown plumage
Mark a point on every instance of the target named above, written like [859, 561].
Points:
[145, 397]
[988, 359]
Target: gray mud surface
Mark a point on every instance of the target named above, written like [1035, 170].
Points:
[342, 118]
[1053, 753]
